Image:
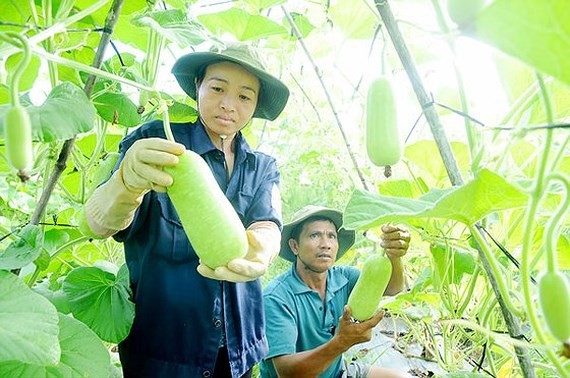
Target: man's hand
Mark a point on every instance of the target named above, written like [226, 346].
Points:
[264, 242]
[395, 240]
[351, 333]
[141, 168]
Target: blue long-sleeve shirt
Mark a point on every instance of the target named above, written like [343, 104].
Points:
[182, 318]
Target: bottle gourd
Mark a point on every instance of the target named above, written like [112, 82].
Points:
[207, 216]
[18, 137]
[554, 297]
[383, 144]
[370, 286]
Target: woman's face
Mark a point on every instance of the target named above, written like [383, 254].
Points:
[227, 97]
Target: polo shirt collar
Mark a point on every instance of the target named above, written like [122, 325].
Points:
[334, 282]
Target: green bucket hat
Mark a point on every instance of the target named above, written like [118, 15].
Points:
[345, 237]
[273, 95]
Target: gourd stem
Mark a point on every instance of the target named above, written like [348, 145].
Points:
[536, 194]
[14, 81]
[550, 235]
[163, 107]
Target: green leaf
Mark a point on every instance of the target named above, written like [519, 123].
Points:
[263, 4]
[53, 239]
[24, 250]
[535, 32]
[366, 210]
[243, 25]
[485, 194]
[100, 15]
[425, 154]
[398, 188]
[65, 113]
[354, 18]
[30, 72]
[28, 324]
[101, 300]
[451, 263]
[303, 24]
[83, 354]
[4, 94]
[182, 113]
[130, 34]
[15, 11]
[174, 25]
[117, 108]
[57, 297]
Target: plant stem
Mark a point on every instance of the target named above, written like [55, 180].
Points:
[327, 94]
[56, 28]
[59, 167]
[14, 82]
[450, 163]
[536, 194]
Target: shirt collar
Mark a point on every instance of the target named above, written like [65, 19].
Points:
[202, 144]
[334, 281]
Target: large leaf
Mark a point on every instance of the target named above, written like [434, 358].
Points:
[54, 293]
[262, 4]
[83, 354]
[451, 263]
[425, 154]
[28, 324]
[174, 25]
[101, 300]
[485, 194]
[303, 24]
[243, 25]
[98, 17]
[536, 32]
[354, 18]
[117, 108]
[25, 249]
[65, 113]
[30, 72]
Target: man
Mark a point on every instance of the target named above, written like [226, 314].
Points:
[309, 326]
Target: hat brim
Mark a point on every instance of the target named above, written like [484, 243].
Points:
[273, 94]
[345, 237]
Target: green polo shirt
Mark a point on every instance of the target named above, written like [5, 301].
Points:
[298, 320]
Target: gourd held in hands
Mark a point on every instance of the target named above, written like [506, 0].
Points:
[207, 216]
[370, 287]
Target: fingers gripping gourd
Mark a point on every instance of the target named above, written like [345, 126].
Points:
[554, 297]
[383, 144]
[370, 286]
[207, 216]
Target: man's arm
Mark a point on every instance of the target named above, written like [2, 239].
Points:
[313, 362]
[395, 240]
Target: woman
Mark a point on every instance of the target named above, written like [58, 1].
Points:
[190, 320]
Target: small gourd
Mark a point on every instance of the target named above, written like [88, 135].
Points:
[554, 297]
[18, 137]
[383, 144]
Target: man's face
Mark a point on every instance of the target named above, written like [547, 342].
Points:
[227, 97]
[317, 247]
